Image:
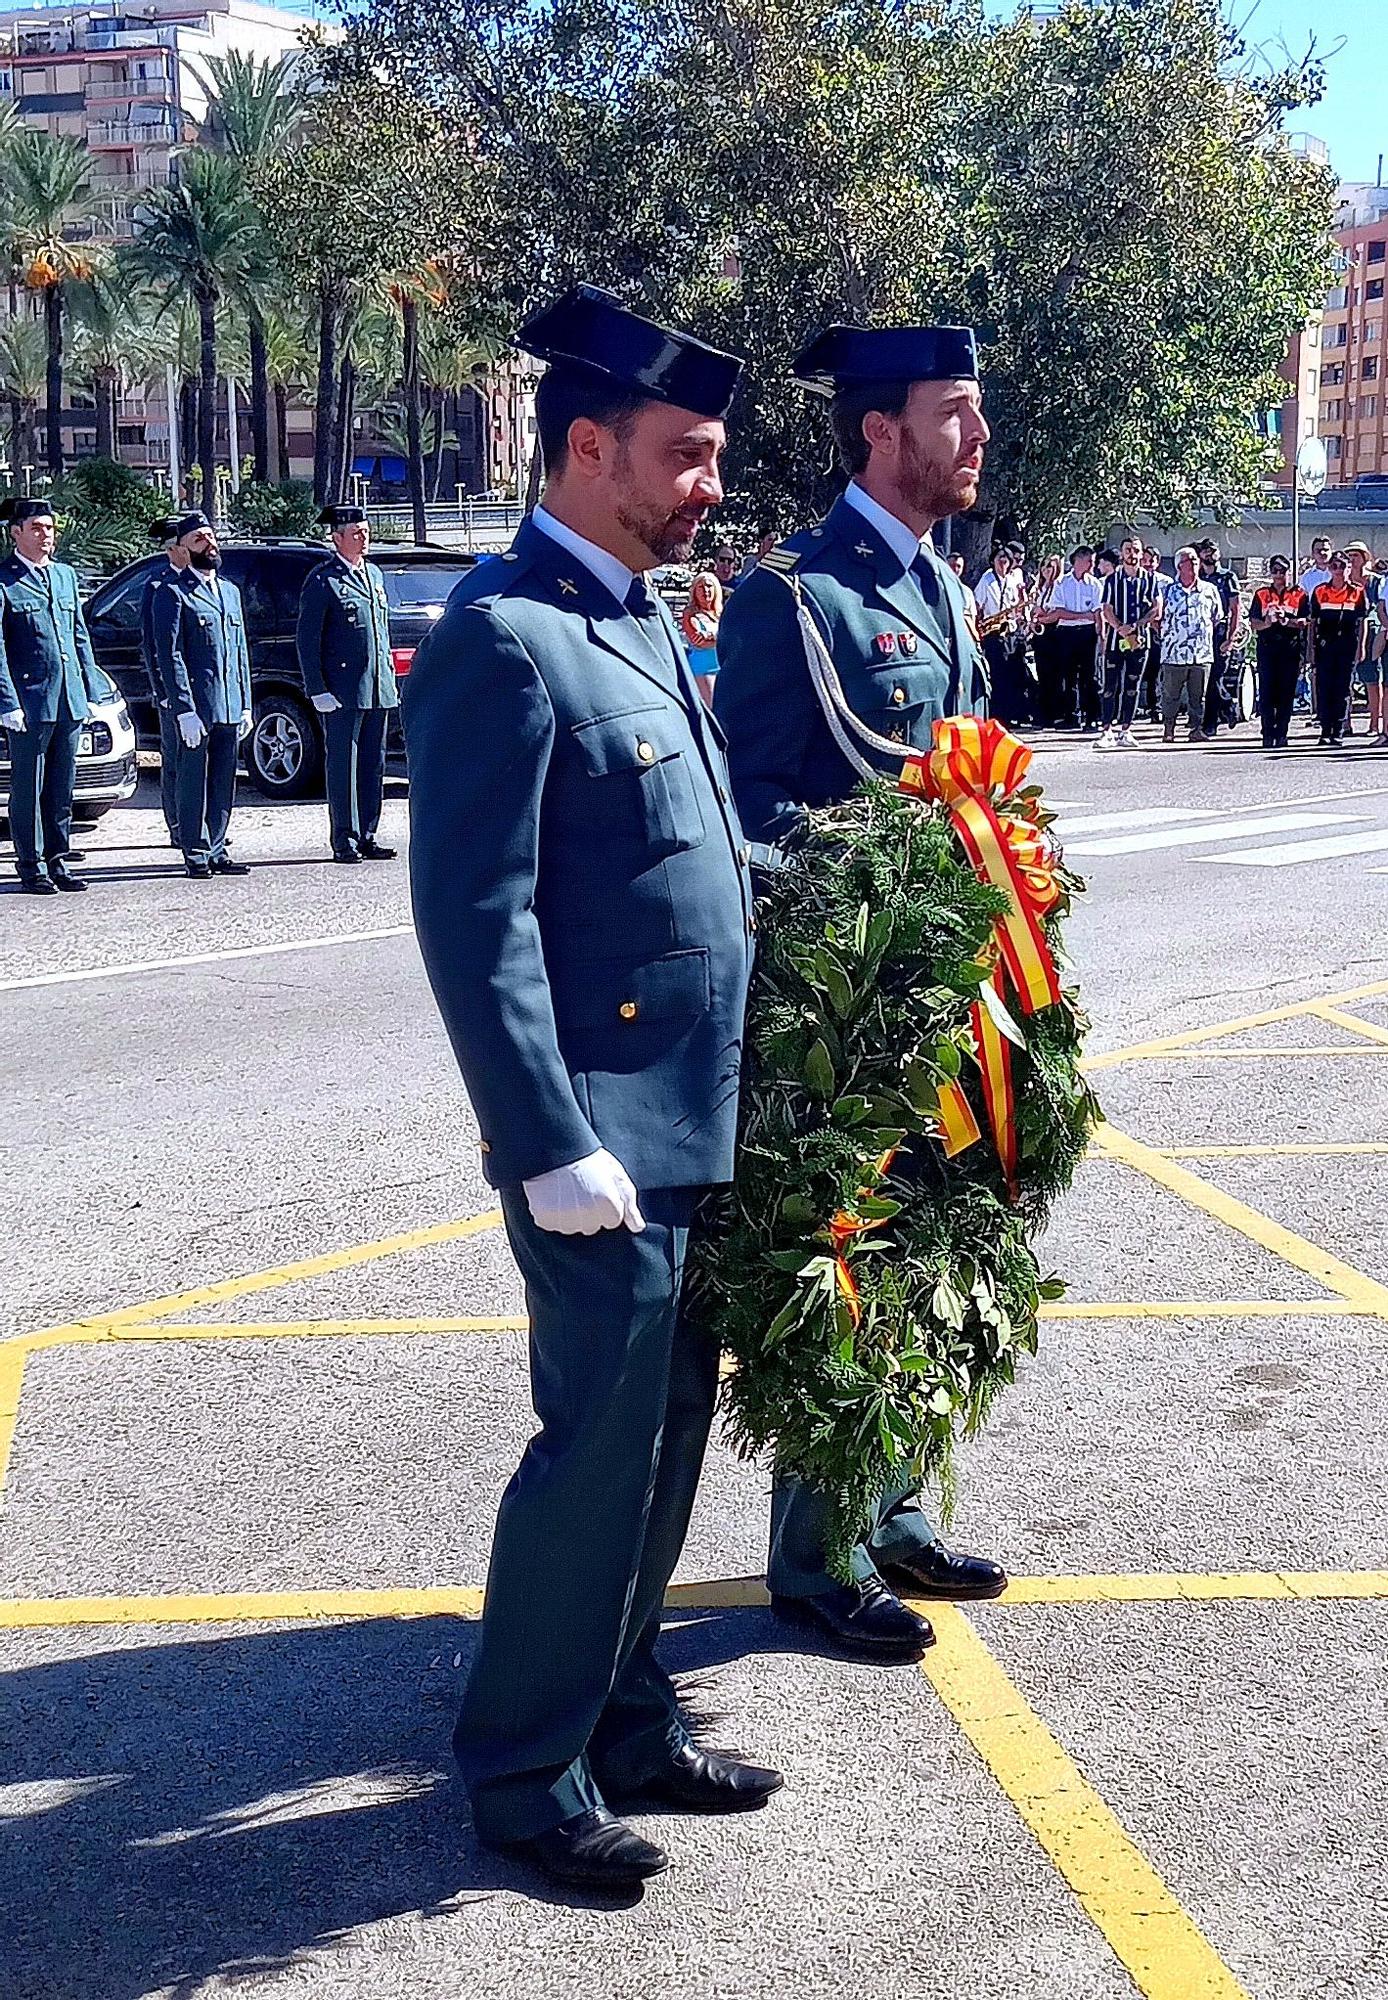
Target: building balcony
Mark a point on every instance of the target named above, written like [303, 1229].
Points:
[104, 89]
[119, 187]
[100, 36]
[127, 132]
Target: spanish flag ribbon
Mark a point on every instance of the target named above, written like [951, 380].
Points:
[974, 769]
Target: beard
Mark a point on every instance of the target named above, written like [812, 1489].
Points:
[669, 537]
[205, 559]
[933, 490]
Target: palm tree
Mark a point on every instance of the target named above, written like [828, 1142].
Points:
[23, 368]
[44, 176]
[255, 115]
[289, 366]
[117, 345]
[195, 240]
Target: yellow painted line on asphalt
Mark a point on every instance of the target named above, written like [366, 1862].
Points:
[1364, 1293]
[310, 1329]
[102, 1326]
[1307, 1150]
[12, 1360]
[1204, 1309]
[1161, 1948]
[734, 1593]
[1353, 1022]
[237, 1607]
[1280, 1053]
[1232, 1587]
[1164, 1044]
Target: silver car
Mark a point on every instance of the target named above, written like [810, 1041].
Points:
[107, 771]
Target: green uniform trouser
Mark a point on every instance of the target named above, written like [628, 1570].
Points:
[356, 774]
[799, 1517]
[565, 1691]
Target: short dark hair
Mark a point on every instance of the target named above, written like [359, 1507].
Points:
[846, 414]
[1084, 549]
[565, 394]
[1017, 551]
[1110, 556]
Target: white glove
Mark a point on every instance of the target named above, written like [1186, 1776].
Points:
[190, 728]
[325, 703]
[13, 720]
[580, 1200]
[245, 729]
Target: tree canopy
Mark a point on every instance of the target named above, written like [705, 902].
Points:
[1106, 194]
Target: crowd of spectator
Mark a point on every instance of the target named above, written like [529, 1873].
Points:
[1091, 642]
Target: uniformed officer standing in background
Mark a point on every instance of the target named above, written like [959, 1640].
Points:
[48, 679]
[170, 743]
[583, 903]
[344, 654]
[806, 722]
[204, 665]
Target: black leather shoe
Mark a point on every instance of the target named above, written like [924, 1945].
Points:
[38, 885]
[347, 854]
[594, 1850]
[201, 871]
[709, 1781]
[940, 1572]
[228, 867]
[75, 854]
[370, 851]
[69, 884]
[862, 1617]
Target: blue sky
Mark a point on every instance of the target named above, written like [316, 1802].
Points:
[1352, 117]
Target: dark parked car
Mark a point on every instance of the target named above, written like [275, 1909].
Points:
[284, 751]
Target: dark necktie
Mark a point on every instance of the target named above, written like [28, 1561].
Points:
[641, 604]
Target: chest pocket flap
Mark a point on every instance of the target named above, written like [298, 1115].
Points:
[637, 779]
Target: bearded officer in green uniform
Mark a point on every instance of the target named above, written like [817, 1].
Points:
[200, 648]
[809, 712]
[583, 902]
[344, 654]
[48, 679]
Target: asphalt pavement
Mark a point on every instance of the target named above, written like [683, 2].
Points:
[262, 1358]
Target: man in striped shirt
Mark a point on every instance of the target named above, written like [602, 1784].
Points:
[1131, 608]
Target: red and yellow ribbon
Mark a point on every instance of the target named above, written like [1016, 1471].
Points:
[974, 769]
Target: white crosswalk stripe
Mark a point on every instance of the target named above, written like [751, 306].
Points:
[1220, 829]
[1306, 850]
[1135, 816]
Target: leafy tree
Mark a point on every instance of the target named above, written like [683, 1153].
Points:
[193, 241]
[44, 178]
[117, 343]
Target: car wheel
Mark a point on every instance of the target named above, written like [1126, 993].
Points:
[284, 751]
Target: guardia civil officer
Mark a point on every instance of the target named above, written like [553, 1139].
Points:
[583, 903]
[199, 633]
[896, 652]
[344, 654]
[167, 533]
[48, 679]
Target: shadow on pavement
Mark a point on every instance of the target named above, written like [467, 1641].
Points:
[229, 1804]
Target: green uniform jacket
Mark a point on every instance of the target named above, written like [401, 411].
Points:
[200, 647]
[903, 662]
[580, 882]
[45, 650]
[344, 635]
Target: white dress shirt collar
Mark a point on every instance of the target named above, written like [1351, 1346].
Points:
[899, 539]
[40, 570]
[610, 573]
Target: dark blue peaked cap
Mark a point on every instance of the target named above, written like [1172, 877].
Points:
[591, 330]
[344, 514]
[18, 511]
[176, 526]
[852, 357]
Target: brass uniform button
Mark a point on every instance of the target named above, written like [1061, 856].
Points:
[628, 1010]
[484, 1146]
[898, 695]
[646, 752]
[744, 855]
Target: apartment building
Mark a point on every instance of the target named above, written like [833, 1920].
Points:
[130, 83]
[1337, 366]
